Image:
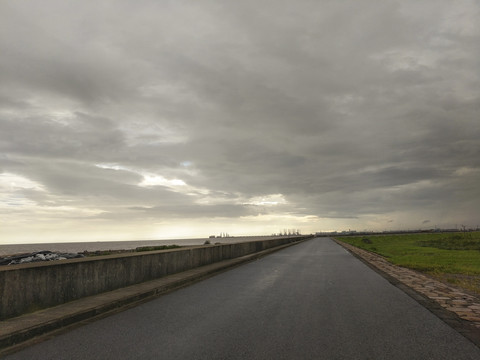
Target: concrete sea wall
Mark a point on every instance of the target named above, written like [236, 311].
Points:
[30, 287]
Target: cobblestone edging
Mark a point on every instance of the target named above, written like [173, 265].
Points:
[465, 306]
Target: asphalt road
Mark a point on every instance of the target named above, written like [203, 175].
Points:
[310, 301]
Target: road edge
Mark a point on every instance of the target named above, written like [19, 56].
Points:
[464, 327]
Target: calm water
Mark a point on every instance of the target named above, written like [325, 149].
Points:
[76, 247]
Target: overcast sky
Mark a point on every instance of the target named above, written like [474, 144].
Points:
[157, 119]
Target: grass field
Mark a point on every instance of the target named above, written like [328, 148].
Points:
[450, 257]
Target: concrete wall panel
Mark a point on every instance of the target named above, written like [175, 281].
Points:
[30, 287]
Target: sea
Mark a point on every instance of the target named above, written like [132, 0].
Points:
[78, 247]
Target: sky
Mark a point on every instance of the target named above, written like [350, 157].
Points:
[125, 120]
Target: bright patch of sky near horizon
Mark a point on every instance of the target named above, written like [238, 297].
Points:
[144, 120]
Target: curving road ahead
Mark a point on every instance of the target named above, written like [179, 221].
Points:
[310, 301]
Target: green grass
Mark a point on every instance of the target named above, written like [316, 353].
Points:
[153, 248]
[450, 257]
[138, 249]
[453, 253]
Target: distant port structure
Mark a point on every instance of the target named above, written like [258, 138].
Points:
[285, 232]
[222, 235]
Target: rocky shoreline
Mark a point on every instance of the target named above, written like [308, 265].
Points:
[38, 256]
[46, 255]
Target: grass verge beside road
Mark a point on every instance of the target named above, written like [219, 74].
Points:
[449, 257]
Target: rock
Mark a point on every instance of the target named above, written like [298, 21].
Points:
[38, 256]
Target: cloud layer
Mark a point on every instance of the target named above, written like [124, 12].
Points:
[155, 119]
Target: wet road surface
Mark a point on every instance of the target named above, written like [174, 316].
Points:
[309, 301]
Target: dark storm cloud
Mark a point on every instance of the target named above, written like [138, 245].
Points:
[83, 136]
[342, 110]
